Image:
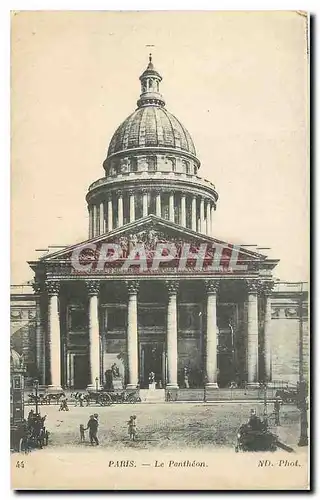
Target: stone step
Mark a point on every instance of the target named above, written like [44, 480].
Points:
[152, 395]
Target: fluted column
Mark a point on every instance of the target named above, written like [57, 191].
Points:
[110, 214]
[158, 204]
[183, 210]
[54, 339]
[95, 220]
[101, 216]
[132, 210]
[208, 222]
[212, 219]
[94, 337]
[202, 229]
[120, 209]
[132, 334]
[253, 346]
[212, 287]
[144, 203]
[194, 213]
[171, 206]
[40, 344]
[267, 288]
[172, 335]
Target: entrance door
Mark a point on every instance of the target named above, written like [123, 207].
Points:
[151, 360]
[81, 371]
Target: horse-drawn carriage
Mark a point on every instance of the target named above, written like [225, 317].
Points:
[29, 434]
[249, 439]
[46, 398]
[106, 398]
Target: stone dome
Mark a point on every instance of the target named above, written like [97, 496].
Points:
[151, 126]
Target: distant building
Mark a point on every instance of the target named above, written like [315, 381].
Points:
[231, 323]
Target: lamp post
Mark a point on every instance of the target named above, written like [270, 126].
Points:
[97, 381]
[36, 386]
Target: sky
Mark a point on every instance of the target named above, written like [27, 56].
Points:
[238, 81]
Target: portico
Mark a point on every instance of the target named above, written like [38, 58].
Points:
[209, 324]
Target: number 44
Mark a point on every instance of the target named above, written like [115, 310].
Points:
[20, 464]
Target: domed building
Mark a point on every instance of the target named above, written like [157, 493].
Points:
[153, 296]
[151, 168]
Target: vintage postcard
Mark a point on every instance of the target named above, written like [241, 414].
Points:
[160, 276]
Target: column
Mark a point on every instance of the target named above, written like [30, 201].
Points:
[267, 332]
[144, 203]
[183, 211]
[212, 219]
[90, 222]
[171, 207]
[110, 213]
[194, 213]
[252, 352]
[40, 357]
[202, 229]
[158, 204]
[208, 223]
[94, 340]
[101, 222]
[95, 221]
[54, 340]
[120, 209]
[172, 335]
[132, 211]
[132, 334]
[212, 287]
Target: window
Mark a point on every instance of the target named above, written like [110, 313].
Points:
[78, 320]
[186, 166]
[133, 165]
[152, 163]
[172, 162]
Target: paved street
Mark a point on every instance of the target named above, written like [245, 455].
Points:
[163, 426]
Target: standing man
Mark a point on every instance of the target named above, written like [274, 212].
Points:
[93, 429]
[276, 408]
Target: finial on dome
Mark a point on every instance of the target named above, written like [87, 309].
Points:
[150, 57]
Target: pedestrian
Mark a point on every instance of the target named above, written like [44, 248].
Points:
[132, 427]
[186, 377]
[93, 425]
[82, 436]
[81, 399]
[276, 407]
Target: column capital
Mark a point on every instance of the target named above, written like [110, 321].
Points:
[132, 287]
[172, 287]
[266, 287]
[52, 287]
[212, 286]
[144, 190]
[132, 192]
[119, 193]
[93, 287]
[158, 191]
[253, 286]
[37, 287]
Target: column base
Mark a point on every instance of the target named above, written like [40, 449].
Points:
[93, 387]
[211, 385]
[132, 386]
[54, 388]
[172, 386]
[253, 385]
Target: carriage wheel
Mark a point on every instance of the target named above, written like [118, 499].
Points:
[105, 400]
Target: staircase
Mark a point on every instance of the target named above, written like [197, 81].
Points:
[152, 395]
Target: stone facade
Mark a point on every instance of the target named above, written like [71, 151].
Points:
[220, 324]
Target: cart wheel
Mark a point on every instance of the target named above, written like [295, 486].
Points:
[105, 400]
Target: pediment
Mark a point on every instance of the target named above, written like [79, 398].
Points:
[142, 239]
